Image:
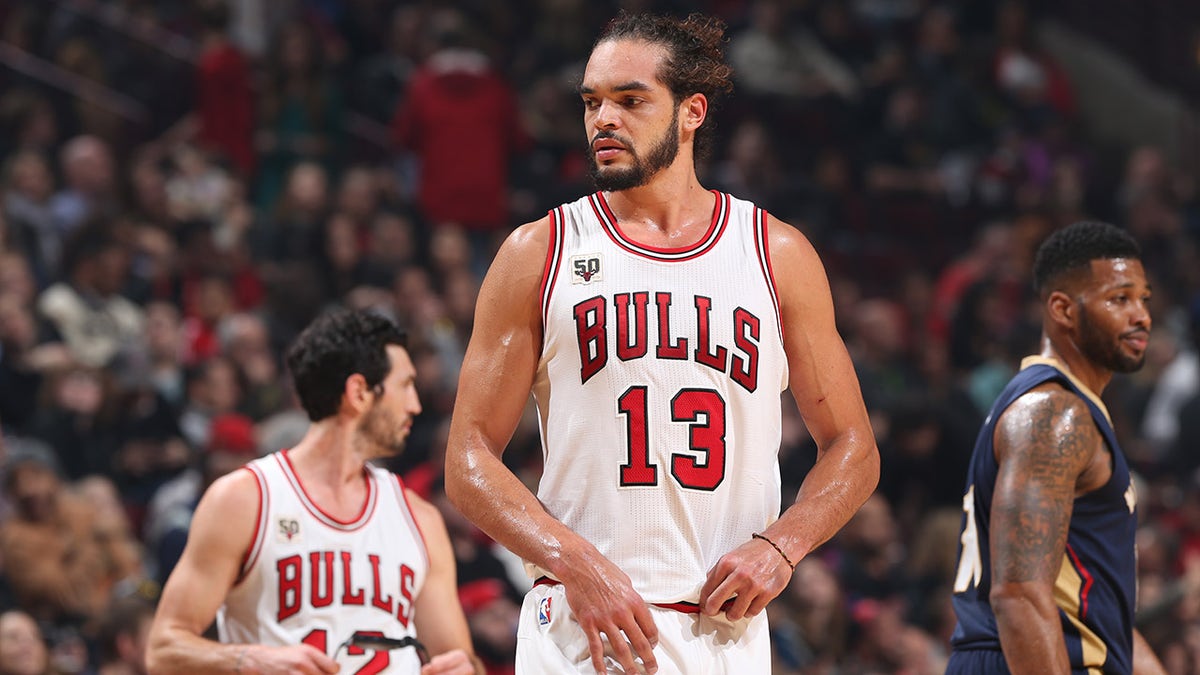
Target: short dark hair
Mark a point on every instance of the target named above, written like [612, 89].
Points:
[695, 62]
[335, 346]
[1075, 246]
[123, 617]
[86, 243]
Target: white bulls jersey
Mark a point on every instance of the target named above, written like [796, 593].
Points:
[658, 391]
[309, 578]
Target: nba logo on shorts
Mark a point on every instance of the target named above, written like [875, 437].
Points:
[544, 612]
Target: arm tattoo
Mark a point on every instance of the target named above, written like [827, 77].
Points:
[1044, 442]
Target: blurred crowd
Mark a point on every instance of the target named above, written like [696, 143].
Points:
[184, 185]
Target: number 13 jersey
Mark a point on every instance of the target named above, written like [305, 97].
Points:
[658, 392]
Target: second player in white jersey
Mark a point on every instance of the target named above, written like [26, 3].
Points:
[312, 579]
[687, 454]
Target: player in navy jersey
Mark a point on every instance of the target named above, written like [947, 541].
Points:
[1046, 580]
[657, 324]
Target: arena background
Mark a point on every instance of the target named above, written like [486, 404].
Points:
[186, 183]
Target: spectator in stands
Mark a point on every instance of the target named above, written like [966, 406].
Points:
[87, 308]
[60, 561]
[224, 109]
[458, 105]
[492, 616]
[32, 227]
[213, 389]
[300, 114]
[25, 361]
[122, 635]
[22, 648]
[231, 444]
[90, 183]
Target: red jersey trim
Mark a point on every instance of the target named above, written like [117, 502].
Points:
[364, 514]
[402, 497]
[250, 557]
[1086, 587]
[684, 607]
[553, 261]
[716, 227]
[762, 243]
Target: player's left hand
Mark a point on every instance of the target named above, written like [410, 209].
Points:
[748, 577]
[453, 662]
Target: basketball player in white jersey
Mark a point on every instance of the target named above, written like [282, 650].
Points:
[657, 324]
[307, 546]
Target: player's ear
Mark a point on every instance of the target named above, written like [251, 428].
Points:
[695, 110]
[1060, 307]
[356, 393]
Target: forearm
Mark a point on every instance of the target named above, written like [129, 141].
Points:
[492, 497]
[1144, 660]
[183, 652]
[844, 476]
[1031, 635]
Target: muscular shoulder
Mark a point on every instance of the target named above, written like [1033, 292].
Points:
[510, 290]
[1051, 425]
[788, 245]
[424, 511]
[799, 278]
[529, 241]
[232, 499]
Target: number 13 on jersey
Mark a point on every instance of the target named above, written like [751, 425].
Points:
[703, 410]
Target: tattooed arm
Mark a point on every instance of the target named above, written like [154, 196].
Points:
[1045, 444]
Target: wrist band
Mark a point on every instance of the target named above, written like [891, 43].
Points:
[775, 546]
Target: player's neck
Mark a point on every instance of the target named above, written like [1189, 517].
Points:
[672, 210]
[328, 454]
[1093, 376]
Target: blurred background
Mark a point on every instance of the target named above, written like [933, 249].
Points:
[185, 184]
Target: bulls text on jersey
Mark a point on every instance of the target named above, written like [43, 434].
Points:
[324, 577]
[631, 313]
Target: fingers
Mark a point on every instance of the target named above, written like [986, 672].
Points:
[596, 648]
[321, 662]
[625, 645]
[621, 650]
[644, 639]
[454, 662]
[723, 590]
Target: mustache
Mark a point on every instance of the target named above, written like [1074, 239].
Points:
[610, 135]
[1136, 332]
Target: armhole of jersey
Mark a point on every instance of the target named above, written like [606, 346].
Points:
[402, 495]
[553, 261]
[762, 244]
[260, 520]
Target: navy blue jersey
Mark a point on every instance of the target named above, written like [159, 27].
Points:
[1096, 585]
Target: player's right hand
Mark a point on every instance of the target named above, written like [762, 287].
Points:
[302, 659]
[605, 605]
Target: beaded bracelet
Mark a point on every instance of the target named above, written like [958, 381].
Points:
[786, 559]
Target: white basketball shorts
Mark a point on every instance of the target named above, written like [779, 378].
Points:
[550, 641]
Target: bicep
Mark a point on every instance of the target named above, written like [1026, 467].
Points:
[219, 536]
[501, 358]
[821, 374]
[1043, 444]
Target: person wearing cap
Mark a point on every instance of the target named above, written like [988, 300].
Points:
[231, 443]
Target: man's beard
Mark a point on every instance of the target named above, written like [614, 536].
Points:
[1104, 351]
[380, 428]
[612, 179]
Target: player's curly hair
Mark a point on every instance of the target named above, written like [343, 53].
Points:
[335, 346]
[1075, 246]
[695, 62]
